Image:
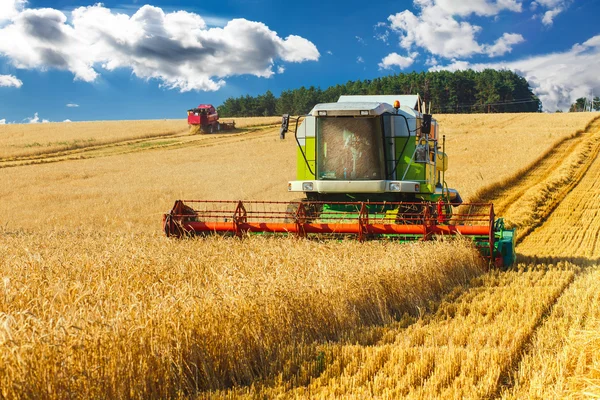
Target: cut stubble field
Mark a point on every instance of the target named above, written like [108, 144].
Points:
[94, 302]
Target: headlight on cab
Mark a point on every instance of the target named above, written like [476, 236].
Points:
[307, 186]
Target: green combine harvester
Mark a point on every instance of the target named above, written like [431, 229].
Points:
[371, 167]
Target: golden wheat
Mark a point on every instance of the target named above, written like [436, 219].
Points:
[569, 338]
[95, 302]
[88, 315]
[572, 229]
[464, 351]
[489, 148]
[18, 140]
[29, 139]
[131, 191]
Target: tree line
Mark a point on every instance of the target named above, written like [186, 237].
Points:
[584, 104]
[448, 92]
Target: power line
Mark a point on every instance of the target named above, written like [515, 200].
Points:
[476, 105]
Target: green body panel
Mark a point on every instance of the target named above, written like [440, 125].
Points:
[404, 159]
[505, 245]
[303, 172]
[419, 172]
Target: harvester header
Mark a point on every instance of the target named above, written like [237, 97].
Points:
[372, 167]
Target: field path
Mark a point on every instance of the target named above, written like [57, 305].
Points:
[170, 140]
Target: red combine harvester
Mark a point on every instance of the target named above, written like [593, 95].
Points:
[207, 117]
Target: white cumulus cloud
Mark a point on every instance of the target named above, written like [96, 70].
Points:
[72, 105]
[9, 80]
[175, 48]
[548, 18]
[440, 27]
[558, 79]
[10, 8]
[485, 8]
[36, 119]
[395, 59]
[552, 7]
[504, 44]
[3, 121]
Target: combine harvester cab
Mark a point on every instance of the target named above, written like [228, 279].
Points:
[371, 167]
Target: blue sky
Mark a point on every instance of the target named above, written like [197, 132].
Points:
[77, 60]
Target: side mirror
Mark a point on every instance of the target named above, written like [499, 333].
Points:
[426, 127]
[285, 123]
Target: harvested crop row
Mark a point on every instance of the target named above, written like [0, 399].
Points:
[526, 199]
[464, 351]
[508, 192]
[572, 229]
[562, 339]
[540, 200]
[129, 315]
[482, 147]
[586, 345]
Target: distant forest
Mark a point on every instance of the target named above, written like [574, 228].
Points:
[449, 93]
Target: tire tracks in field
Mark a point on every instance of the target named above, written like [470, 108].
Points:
[88, 148]
[175, 140]
[502, 124]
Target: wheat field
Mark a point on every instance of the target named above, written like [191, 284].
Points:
[20, 140]
[96, 303]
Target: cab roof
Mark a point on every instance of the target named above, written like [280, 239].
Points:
[360, 108]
